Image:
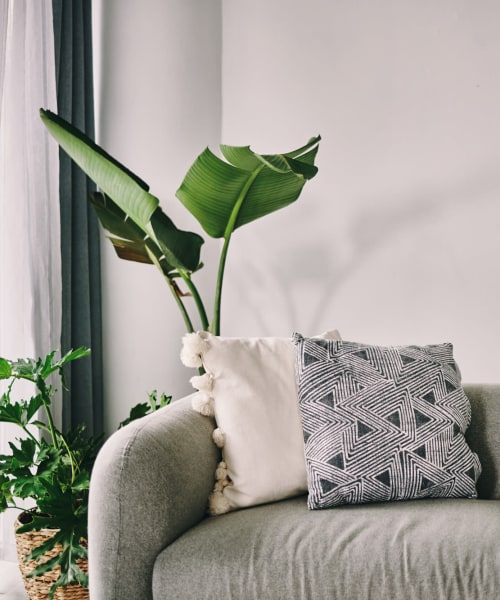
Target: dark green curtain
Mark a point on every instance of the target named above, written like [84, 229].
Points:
[81, 278]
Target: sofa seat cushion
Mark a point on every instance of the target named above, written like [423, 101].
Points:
[420, 549]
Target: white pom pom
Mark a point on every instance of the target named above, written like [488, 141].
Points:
[204, 383]
[218, 504]
[193, 347]
[189, 359]
[221, 471]
[219, 486]
[219, 437]
[204, 404]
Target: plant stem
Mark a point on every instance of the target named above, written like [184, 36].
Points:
[40, 383]
[158, 259]
[197, 298]
[71, 459]
[29, 434]
[175, 292]
[215, 326]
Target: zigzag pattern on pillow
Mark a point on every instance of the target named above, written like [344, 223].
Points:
[383, 423]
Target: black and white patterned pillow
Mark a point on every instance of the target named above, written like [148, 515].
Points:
[383, 423]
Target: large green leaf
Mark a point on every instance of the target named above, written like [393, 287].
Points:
[114, 219]
[176, 243]
[226, 195]
[126, 208]
[130, 243]
[172, 247]
[112, 178]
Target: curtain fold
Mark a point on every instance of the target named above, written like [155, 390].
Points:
[81, 299]
[30, 272]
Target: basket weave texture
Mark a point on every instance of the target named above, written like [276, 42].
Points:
[38, 587]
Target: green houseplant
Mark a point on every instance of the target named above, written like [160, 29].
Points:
[50, 470]
[223, 194]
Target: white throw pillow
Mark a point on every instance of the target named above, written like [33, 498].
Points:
[249, 386]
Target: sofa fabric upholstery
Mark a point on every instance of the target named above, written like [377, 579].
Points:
[382, 551]
[483, 435]
[150, 484]
[150, 538]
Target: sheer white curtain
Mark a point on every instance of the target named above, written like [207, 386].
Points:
[30, 278]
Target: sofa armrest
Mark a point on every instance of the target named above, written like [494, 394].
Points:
[150, 483]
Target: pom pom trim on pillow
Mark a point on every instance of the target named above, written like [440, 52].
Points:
[249, 387]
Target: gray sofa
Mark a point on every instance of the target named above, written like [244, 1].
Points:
[150, 538]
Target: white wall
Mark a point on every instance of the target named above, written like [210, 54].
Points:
[395, 241]
[158, 91]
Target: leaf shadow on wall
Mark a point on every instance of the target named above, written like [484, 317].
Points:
[302, 278]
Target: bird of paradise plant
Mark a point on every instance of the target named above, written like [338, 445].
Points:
[223, 194]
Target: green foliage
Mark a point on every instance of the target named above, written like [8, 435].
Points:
[143, 409]
[125, 193]
[48, 467]
[222, 193]
[226, 195]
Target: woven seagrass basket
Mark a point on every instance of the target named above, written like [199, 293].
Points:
[38, 587]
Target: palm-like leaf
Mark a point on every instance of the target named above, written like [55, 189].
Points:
[226, 195]
[127, 193]
[131, 244]
[221, 194]
[123, 187]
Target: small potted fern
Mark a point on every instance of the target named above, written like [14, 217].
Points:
[49, 471]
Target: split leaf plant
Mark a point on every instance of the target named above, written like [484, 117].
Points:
[48, 469]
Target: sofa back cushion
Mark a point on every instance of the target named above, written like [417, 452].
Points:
[483, 435]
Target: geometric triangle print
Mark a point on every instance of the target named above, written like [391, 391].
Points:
[327, 400]
[471, 473]
[327, 486]
[361, 354]
[363, 429]
[337, 461]
[384, 477]
[309, 359]
[426, 483]
[406, 360]
[421, 419]
[450, 387]
[421, 451]
[430, 397]
[395, 419]
[384, 425]
[322, 343]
